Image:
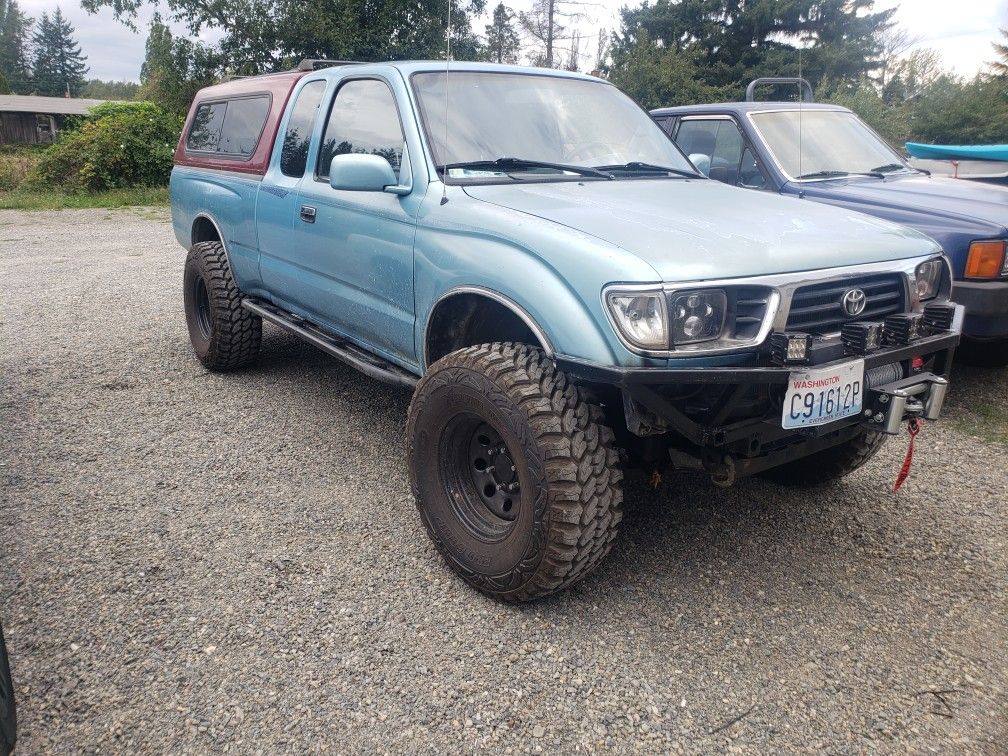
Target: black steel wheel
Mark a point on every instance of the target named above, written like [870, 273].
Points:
[513, 470]
[8, 712]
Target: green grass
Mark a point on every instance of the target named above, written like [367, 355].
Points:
[21, 199]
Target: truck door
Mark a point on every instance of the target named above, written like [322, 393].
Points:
[355, 248]
[277, 199]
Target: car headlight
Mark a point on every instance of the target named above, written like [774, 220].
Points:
[697, 315]
[640, 317]
[987, 259]
[928, 275]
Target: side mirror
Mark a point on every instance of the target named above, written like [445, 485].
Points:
[355, 172]
[701, 162]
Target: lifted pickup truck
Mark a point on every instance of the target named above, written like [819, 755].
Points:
[565, 294]
[825, 153]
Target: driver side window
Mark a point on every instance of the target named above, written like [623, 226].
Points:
[363, 119]
[719, 142]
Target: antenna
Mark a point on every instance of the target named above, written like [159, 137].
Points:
[447, 64]
[801, 99]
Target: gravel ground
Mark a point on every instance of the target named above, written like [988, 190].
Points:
[193, 562]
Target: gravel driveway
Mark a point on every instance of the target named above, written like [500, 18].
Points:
[194, 562]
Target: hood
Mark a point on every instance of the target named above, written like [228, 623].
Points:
[692, 230]
[931, 203]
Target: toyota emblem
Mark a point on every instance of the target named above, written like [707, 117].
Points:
[854, 302]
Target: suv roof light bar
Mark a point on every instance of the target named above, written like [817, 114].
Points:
[806, 88]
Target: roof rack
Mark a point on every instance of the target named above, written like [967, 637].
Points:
[311, 64]
[805, 87]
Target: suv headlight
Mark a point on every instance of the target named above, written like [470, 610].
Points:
[697, 315]
[640, 317]
[928, 275]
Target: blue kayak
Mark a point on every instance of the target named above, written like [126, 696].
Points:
[958, 152]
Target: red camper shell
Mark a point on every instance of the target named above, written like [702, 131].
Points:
[232, 126]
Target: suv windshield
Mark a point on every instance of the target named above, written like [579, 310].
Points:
[542, 127]
[833, 143]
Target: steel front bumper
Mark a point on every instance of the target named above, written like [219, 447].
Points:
[901, 382]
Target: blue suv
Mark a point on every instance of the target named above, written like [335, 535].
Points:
[564, 294]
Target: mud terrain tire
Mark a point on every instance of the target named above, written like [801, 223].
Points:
[828, 465]
[544, 438]
[224, 335]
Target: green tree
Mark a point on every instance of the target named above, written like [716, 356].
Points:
[263, 35]
[175, 69]
[732, 42]
[58, 65]
[502, 41]
[15, 38]
[110, 90]
[1000, 67]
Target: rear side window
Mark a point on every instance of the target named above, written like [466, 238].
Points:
[230, 127]
[364, 119]
[294, 156]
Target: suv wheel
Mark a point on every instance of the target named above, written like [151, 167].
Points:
[828, 465]
[513, 471]
[224, 334]
[8, 714]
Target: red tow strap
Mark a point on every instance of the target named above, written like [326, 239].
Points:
[913, 427]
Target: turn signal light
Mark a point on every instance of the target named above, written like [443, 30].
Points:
[790, 348]
[986, 260]
[902, 329]
[861, 338]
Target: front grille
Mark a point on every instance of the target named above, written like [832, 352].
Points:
[818, 308]
[747, 308]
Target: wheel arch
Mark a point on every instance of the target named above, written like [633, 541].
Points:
[461, 317]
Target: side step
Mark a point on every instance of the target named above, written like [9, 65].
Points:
[370, 364]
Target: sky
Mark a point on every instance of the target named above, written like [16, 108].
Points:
[962, 31]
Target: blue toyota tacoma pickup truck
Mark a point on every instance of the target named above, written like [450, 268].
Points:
[564, 294]
[826, 154]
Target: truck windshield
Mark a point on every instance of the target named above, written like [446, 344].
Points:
[508, 126]
[833, 144]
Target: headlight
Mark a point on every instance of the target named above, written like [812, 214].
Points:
[697, 315]
[928, 275]
[640, 317]
[986, 260]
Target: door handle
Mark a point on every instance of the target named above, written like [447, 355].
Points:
[307, 213]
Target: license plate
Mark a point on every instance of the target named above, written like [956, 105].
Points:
[817, 397]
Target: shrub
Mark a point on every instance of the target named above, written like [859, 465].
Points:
[120, 144]
[16, 162]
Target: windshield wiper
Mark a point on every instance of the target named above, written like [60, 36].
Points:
[841, 174]
[638, 167]
[506, 164]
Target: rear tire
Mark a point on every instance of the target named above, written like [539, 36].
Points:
[829, 465]
[513, 470]
[224, 335]
[991, 353]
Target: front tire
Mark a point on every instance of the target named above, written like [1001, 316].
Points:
[513, 470]
[828, 465]
[224, 335]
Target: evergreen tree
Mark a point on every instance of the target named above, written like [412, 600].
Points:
[1000, 67]
[15, 37]
[59, 67]
[735, 42]
[175, 68]
[502, 39]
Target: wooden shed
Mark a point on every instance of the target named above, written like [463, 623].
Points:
[27, 119]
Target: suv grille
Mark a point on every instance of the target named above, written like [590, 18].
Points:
[818, 308]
